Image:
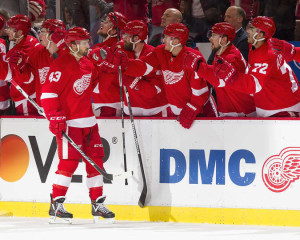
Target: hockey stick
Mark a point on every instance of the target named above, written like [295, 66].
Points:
[144, 190]
[103, 55]
[122, 117]
[142, 198]
[108, 176]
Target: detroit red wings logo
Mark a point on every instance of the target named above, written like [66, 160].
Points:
[172, 77]
[279, 171]
[43, 74]
[80, 85]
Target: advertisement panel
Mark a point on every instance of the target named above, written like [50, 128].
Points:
[215, 164]
[29, 161]
[227, 164]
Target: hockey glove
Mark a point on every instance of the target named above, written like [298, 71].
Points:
[192, 60]
[224, 70]
[95, 56]
[188, 115]
[58, 124]
[282, 47]
[58, 37]
[17, 59]
[115, 57]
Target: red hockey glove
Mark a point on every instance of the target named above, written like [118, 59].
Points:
[282, 47]
[224, 70]
[58, 124]
[192, 60]
[115, 57]
[95, 56]
[17, 59]
[188, 115]
[58, 37]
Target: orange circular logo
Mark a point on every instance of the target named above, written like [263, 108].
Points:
[14, 158]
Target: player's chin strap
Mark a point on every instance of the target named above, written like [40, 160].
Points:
[14, 36]
[76, 52]
[256, 40]
[49, 41]
[173, 46]
[220, 51]
[134, 43]
[110, 36]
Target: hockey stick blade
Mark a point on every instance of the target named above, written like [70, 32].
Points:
[143, 197]
[123, 175]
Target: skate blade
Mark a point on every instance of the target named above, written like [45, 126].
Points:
[104, 220]
[56, 220]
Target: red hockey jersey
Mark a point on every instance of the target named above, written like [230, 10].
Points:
[146, 94]
[38, 64]
[271, 81]
[5, 74]
[68, 88]
[231, 102]
[26, 45]
[181, 85]
[107, 93]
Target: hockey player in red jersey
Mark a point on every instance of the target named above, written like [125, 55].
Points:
[66, 99]
[269, 78]
[186, 93]
[17, 28]
[38, 62]
[5, 74]
[108, 29]
[147, 96]
[231, 102]
[106, 98]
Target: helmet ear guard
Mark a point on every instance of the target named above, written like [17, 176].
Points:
[264, 24]
[177, 30]
[52, 24]
[20, 22]
[224, 28]
[76, 34]
[121, 20]
[136, 28]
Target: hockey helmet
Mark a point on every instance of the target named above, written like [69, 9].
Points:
[52, 24]
[265, 24]
[76, 34]
[137, 27]
[224, 28]
[118, 20]
[20, 22]
[177, 30]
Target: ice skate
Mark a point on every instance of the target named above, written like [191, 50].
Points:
[58, 213]
[99, 209]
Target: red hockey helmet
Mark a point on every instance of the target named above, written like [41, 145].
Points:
[2, 22]
[20, 22]
[52, 24]
[137, 27]
[76, 34]
[121, 20]
[177, 30]
[224, 28]
[265, 24]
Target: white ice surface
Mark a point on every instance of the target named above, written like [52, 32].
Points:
[13, 228]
